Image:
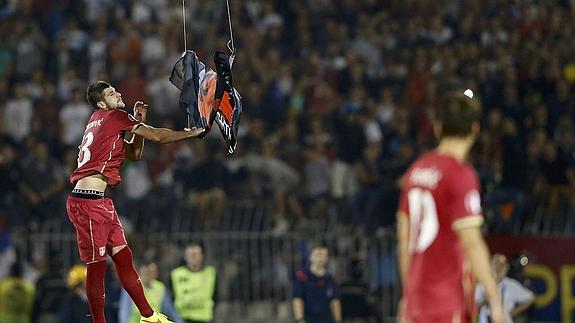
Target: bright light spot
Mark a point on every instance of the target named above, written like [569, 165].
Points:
[524, 261]
[468, 93]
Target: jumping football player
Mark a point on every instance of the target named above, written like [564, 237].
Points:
[99, 232]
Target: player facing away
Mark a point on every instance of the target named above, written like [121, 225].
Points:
[439, 224]
[99, 232]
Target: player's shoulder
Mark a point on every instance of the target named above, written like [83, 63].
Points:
[301, 275]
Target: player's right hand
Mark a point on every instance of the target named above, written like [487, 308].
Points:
[496, 313]
[195, 132]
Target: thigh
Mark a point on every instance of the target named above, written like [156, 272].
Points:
[116, 236]
[92, 221]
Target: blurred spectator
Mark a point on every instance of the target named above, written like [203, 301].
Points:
[355, 294]
[97, 51]
[132, 84]
[7, 250]
[74, 307]
[9, 177]
[163, 94]
[366, 205]
[204, 181]
[124, 49]
[73, 117]
[516, 298]
[41, 183]
[18, 115]
[156, 293]
[30, 51]
[16, 297]
[50, 287]
[194, 286]
[316, 174]
[68, 82]
[138, 185]
[315, 292]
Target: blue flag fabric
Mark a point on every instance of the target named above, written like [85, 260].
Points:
[207, 96]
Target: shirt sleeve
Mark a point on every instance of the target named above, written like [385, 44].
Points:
[123, 121]
[519, 293]
[298, 285]
[466, 201]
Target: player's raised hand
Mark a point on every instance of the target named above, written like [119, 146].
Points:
[140, 111]
[195, 132]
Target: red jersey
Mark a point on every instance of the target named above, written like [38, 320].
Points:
[102, 149]
[440, 194]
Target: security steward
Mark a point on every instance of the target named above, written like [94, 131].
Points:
[194, 286]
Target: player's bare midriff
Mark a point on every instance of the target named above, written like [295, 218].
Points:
[95, 182]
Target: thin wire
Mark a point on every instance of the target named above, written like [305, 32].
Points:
[184, 18]
[185, 44]
[231, 46]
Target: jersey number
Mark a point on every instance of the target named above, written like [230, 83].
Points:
[424, 225]
[84, 155]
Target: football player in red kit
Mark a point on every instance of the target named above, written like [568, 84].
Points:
[99, 232]
[439, 223]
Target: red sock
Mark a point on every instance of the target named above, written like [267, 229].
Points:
[131, 281]
[95, 290]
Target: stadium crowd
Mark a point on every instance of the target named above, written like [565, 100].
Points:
[337, 95]
[328, 130]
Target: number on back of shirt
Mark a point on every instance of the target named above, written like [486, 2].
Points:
[84, 154]
[423, 223]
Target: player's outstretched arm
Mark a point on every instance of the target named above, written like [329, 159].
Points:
[477, 253]
[164, 135]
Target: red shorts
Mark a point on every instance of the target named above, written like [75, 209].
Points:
[98, 227]
[453, 317]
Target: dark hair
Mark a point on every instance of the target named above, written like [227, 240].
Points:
[95, 92]
[196, 244]
[457, 113]
[17, 269]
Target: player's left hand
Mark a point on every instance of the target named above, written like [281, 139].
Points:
[140, 111]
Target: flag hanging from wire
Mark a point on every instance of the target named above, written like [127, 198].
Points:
[208, 96]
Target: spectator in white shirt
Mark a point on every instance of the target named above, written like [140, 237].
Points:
[73, 118]
[18, 115]
[516, 298]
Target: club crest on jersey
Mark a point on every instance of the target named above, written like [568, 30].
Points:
[102, 251]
